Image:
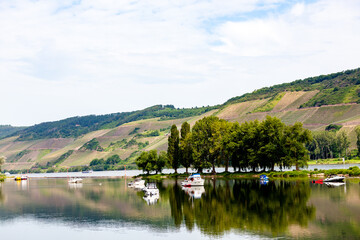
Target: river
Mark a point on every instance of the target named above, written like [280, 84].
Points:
[105, 208]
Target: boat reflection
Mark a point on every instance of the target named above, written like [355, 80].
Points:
[194, 192]
[151, 199]
[334, 184]
[1, 194]
[75, 185]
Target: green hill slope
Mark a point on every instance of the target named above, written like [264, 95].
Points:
[78, 126]
[335, 88]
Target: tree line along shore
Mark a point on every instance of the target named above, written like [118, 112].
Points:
[255, 146]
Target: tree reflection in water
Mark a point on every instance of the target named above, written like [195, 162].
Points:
[243, 205]
[1, 194]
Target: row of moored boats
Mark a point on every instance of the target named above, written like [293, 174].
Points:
[193, 185]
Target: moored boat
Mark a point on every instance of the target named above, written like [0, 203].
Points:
[193, 180]
[21, 178]
[334, 178]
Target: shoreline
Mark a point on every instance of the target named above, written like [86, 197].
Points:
[168, 173]
[332, 162]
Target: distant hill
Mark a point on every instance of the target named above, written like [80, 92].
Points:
[77, 126]
[6, 130]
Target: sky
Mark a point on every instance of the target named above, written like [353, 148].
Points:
[66, 58]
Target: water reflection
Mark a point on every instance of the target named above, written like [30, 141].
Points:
[194, 192]
[1, 194]
[281, 208]
[151, 199]
[334, 184]
[243, 205]
[75, 185]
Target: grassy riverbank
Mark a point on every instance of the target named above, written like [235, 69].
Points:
[2, 178]
[333, 161]
[351, 172]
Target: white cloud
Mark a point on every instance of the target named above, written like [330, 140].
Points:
[64, 58]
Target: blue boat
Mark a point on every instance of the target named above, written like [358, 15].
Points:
[264, 177]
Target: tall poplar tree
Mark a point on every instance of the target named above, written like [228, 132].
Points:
[186, 149]
[173, 148]
[357, 130]
[2, 161]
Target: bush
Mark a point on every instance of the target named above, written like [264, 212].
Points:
[51, 170]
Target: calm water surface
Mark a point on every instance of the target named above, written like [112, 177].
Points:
[234, 209]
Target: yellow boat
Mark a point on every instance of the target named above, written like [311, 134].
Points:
[20, 178]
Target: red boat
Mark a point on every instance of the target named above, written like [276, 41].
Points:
[320, 181]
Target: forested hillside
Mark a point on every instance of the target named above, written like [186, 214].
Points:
[77, 126]
[6, 130]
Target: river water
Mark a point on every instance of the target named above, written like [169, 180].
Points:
[105, 208]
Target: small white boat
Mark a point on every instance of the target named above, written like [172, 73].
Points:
[334, 178]
[137, 183]
[151, 189]
[75, 180]
[193, 180]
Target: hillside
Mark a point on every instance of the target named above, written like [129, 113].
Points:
[78, 126]
[335, 88]
[6, 130]
[316, 102]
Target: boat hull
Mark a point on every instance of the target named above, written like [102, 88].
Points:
[334, 179]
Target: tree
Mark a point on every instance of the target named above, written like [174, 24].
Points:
[186, 149]
[207, 137]
[357, 131]
[142, 161]
[150, 161]
[232, 145]
[271, 135]
[161, 161]
[295, 138]
[343, 143]
[173, 148]
[114, 159]
[2, 161]
[97, 162]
